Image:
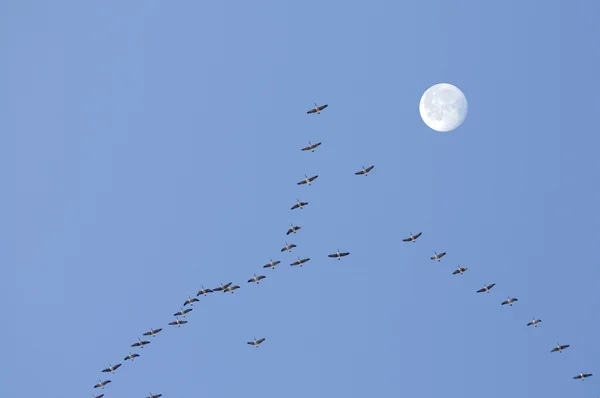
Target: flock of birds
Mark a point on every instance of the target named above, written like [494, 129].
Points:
[230, 287]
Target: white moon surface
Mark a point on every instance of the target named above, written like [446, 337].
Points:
[443, 107]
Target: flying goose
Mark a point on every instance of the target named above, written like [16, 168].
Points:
[364, 171]
[154, 396]
[293, 229]
[231, 289]
[152, 332]
[317, 109]
[560, 348]
[311, 147]
[140, 343]
[486, 288]
[256, 342]
[131, 356]
[438, 256]
[307, 180]
[288, 247]
[338, 254]
[101, 383]
[256, 278]
[178, 322]
[222, 287]
[112, 368]
[299, 204]
[97, 396]
[412, 238]
[204, 291]
[190, 301]
[510, 301]
[271, 264]
[460, 270]
[183, 312]
[582, 376]
[299, 262]
[534, 322]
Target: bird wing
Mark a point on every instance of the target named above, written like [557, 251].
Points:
[147, 334]
[251, 342]
[481, 290]
[417, 235]
[304, 203]
[267, 265]
[455, 272]
[332, 255]
[312, 111]
[344, 254]
[106, 370]
[554, 349]
[505, 302]
[360, 172]
[562, 347]
[292, 245]
[295, 206]
[406, 239]
[307, 148]
[261, 277]
[369, 168]
[117, 366]
[227, 285]
[313, 178]
[217, 289]
[491, 286]
[301, 182]
[290, 231]
[261, 340]
[251, 280]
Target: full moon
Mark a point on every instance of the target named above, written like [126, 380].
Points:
[443, 107]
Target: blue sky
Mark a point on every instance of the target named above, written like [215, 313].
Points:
[152, 147]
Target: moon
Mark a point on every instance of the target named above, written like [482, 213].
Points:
[443, 107]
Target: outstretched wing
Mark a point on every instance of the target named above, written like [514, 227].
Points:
[313, 110]
[301, 182]
[369, 168]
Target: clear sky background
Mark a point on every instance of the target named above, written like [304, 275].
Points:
[151, 147]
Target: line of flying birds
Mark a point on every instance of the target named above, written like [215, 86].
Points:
[230, 287]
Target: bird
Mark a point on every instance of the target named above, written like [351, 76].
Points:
[101, 383]
[152, 332]
[178, 322]
[299, 204]
[222, 287]
[256, 342]
[307, 180]
[364, 171]
[288, 247]
[412, 238]
[204, 291]
[582, 376]
[154, 396]
[190, 301]
[311, 147]
[317, 109]
[559, 347]
[112, 368]
[438, 256]
[510, 301]
[293, 229]
[271, 264]
[534, 322]
[183, 312]
[131, 356]
[299, 261]
[338, 254]
[231, 289]
[460, 270]
[97, 396]
[256, 278]
[486, 288]
[140, 343]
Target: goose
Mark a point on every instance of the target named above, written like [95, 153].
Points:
[140, 343]
[364, 171]
[131, 356]
[510, 301]
[178, 322]
[299, 261]
[311, 147]
[154, 396]
[288, 247]
[112, 368]
[183, 312]
[534, 322]
[486, 288]
[97, 396]
[101, 383]
[317, 109]
[271, 264]
[190, 301]
[255, 342]
[298, 204]
[256, 278]
[460, 270]
[152, 332]
[438, 256]
[582, 376]
[231, 289]
[293, 229]
[559, 347]
[412, 238]
[222, 287]
[204, 291]
[338, 254]
[307, 180]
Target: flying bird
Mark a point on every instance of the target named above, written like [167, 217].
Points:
[154, 396]
[299, 204]
[112, 368]
[256, 278]
[131, 356]
[203, 291]
[460, 270]
[231, 289]
[559, 347]
[486, 288]
[317, 109]
[438, 256]
[510, 301]
[140, 343]
[190, 301]
[412, 238]
[256, 342]
[299, 261]
[97, 396]
[338, 255]
[311, 147]
[178, 322]
[271, 264]
[364, 171]
[152, 332]
[183, 312]
[307, 180]
[293, 229]
[582, 376]
[288, 247]
[101, 383]
[222, 287]
[534, 322]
